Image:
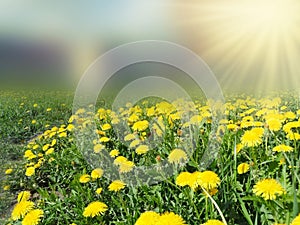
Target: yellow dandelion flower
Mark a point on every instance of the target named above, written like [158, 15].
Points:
[95, 209]
[70, 127]
[49, 151]
[238, 147]
[282, 148]
[114, 153]
[213, 222]
[21, 208]
[8, 171]
[268, 189]
[29, 154]
[54, 141]
[232, 126]
[208, 180]
[290, 115]
[98, 148]
[148, 218]
[6, 187]
[33, 217]
[126, 166]
[134, 143]
[104, 139]
[177, 156]
[296, 221]
[45, 147]
[97, 173]
[151, 111]
[274, 124]
[293, 136]
[243, 168]
[142, 149]
[84, 178]
[133, 118]
[119, 160]
[129, 137]
[170, 218]
[106, 126]
[98, 191]
[140, 125]
[196, 119]
[23, 196]
[116, 185]
[30, 171]
[251, 138]
[183, 179]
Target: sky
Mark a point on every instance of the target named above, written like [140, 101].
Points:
[250, 45]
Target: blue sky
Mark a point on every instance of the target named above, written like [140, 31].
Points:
[142, 19]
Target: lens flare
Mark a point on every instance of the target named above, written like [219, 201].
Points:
[250, 44]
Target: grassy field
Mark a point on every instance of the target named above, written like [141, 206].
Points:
[25, 114]
[47, 179]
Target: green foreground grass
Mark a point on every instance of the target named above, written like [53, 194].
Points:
[24, 114]
[63, 186]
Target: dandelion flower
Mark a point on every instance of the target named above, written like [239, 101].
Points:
[213, 222]
[119, 160]
[106, 126]
[30, 171]
[296, 221]
[95, 209]
[183, 179]
[148, 218]
[49, 151]
[116, 185]
[282, 148]
[114, 153]
[84, 178]
[134, 143]
[33, 217]
[140, 125]
[23, 196]
[243, 168]
[98, 191]
[142, 149]
[129, 137]
[29, 154]
[274, 124]
[251, 138]
[238, 147]
[8, 171]
[104, 139]
[208, 180]
[21, 209]
[126, 166]
[98, 148]
[177, 156]
[6, 187]
[97, 173]
[170, 218]
[268, 189]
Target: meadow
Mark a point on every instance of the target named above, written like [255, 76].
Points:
[252, 179]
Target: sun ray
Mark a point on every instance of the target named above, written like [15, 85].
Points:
[248, 43]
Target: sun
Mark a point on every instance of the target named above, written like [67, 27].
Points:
[253, 44]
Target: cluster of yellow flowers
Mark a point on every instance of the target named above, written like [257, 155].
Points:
[24, 210]
[250, 121]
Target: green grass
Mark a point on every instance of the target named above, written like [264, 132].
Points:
[56, 186]
[16, 116]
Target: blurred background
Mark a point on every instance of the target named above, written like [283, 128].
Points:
[251, 46]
